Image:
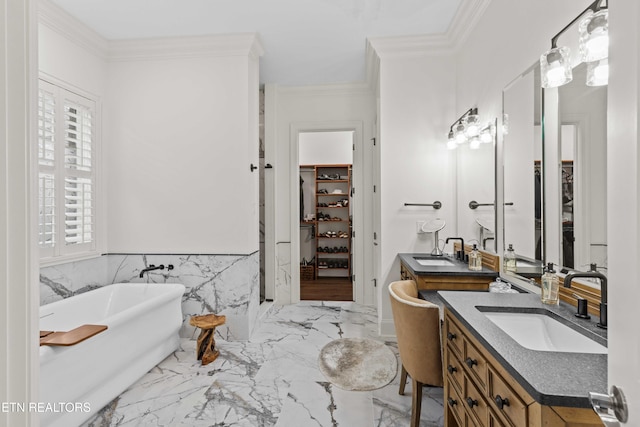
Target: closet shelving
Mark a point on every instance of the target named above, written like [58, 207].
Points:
[332, 220]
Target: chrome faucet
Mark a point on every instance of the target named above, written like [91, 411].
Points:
[153, 267]
[603, 290]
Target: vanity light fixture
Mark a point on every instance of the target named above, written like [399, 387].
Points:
[462, 128]
[555, 64]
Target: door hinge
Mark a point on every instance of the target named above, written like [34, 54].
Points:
[353, 278]
[374, 188]
[374, 141]
[353, 147]
[353, 234]
[375, 235]
[375, 283]
[353, 190]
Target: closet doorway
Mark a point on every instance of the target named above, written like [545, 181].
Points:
[325, 161]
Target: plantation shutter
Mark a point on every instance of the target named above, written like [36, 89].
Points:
[78, 169]
[66, 160]
[46, 168]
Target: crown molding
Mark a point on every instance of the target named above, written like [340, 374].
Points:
[466, 18]
[411, 46]
[58, 20]
[241, 44]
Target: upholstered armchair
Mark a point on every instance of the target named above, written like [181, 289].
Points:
[417, 324]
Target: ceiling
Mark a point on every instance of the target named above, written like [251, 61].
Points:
[305, 41]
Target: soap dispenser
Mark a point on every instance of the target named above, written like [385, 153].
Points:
[550, 286]
[510, 260]
[475, 259]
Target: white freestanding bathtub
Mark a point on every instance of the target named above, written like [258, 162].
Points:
[77, 381]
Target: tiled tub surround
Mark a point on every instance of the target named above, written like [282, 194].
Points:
[221, 284]
[270, 380]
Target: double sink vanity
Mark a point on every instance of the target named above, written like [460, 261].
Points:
[508, 359]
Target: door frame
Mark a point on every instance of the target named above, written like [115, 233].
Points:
[357, 127]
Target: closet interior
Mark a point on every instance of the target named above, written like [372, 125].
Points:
[325, 232]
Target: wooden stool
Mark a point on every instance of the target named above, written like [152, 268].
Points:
[206, 343]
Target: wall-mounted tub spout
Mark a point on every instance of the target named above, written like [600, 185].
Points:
[153, 267]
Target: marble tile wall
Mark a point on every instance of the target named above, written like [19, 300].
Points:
[222, 284]
[283, 273]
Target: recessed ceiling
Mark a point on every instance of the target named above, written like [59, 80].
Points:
[305, 41]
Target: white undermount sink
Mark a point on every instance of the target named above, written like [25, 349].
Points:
[543, 333]
[433, 262]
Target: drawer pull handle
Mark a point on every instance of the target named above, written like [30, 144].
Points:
[470, 362]
[500, 402]
[452, 369]
[452, 402]
[471, 402]
[451, 336]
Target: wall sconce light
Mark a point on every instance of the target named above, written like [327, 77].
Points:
[467, 128]
[458, 129]
[555, 64]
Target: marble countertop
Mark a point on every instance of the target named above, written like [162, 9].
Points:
[458, 268]
[551, 378]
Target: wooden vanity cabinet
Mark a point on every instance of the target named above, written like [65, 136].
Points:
[479, 392]
[433, 282]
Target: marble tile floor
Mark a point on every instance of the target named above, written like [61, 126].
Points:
[270, 380]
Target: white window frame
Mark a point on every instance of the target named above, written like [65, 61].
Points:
[61, 252]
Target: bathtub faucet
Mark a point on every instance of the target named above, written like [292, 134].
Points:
[153, 267]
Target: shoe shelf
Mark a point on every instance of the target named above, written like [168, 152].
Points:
[333, 230]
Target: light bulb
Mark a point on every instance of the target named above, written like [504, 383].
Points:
[451, 141]
[486, 136]
[472, 126]
[598, 73]
[461, 138]
[594, 36]
[555, 67]
[474, 143]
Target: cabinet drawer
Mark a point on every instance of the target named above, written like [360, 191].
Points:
[494, 420]
[474, 402]
[455, 404]
[476, 365]
[453, 336]
[454, 370]
[506, 401]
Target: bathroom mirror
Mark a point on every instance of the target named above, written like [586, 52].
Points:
[523, 179]
[476, 186]
[582, 176]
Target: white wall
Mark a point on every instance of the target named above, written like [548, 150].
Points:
[326, 148]
[78, 65]
[416, 108]
[182, 133]
[316, 108]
